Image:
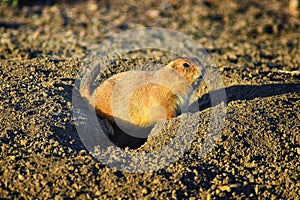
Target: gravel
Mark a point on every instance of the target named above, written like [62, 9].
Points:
[254, 46]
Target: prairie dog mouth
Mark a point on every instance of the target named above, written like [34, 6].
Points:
[198, 81]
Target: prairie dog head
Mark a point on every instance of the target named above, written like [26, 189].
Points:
[189, 68]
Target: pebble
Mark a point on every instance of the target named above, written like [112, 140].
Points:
[144, 191]
[32, 69]
[298, 150]
[58, 197]
[251, 178]
[21, 178]
[92, 6]
[12, 157]
[153, 13]
[225, 188]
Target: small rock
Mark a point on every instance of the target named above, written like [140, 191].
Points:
[32, 69]
[58, 197]
[298, 150]
[153, 13]
[23, 142]
[82, 152]
[144, 191]
[225, 188]
[12, 157]
[174, 196]
[92, 6]
[21, 178]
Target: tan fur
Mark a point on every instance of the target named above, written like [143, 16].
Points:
[142, 98]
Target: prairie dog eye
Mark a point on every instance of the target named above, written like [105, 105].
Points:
[186, 65]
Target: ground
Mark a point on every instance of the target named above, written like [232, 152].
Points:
[253, 44]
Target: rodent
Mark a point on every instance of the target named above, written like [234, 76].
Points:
[142, 98]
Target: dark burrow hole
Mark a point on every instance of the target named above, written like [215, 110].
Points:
[123, 140]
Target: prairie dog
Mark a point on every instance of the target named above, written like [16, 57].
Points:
[142, 98]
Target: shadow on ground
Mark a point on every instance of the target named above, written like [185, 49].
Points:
[249, 92]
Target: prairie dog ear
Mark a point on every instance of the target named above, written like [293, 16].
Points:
[171, 64]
